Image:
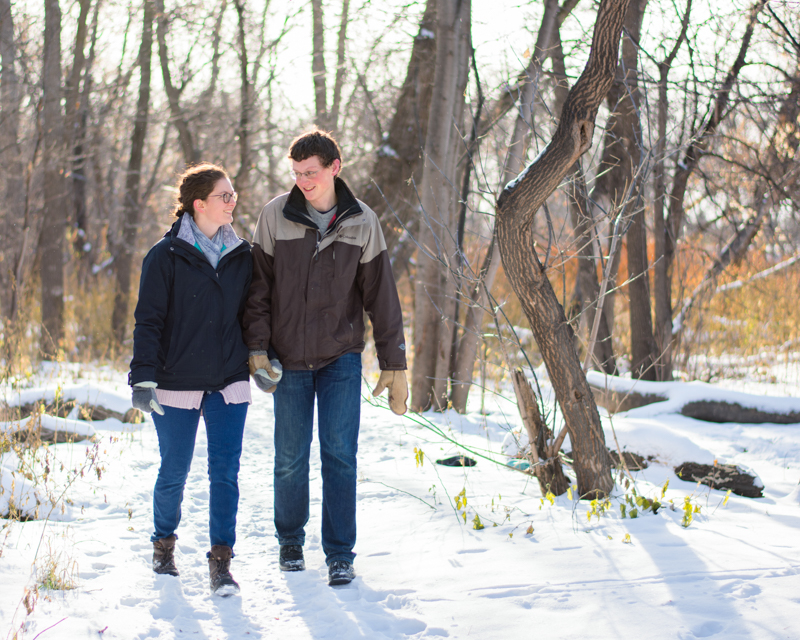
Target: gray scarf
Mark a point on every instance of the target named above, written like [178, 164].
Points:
[224, 241]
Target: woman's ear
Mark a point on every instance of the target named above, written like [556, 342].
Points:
[199, 205]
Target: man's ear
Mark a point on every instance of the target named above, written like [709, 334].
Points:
[337, 166]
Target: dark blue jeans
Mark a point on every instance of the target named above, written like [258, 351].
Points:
[337, 388]
[177, 430]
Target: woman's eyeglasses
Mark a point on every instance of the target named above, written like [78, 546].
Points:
[226, 197]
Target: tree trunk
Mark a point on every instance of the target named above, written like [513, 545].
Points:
[399, 157]
[662, 332]
[516, 209]
[51, 239]
[543, 456]
[132, 206]
[318, 66]
[340, 67]
[629, 152]
[11, 157]
[584, 226]
[434, 288]
[77, 115]
[191, 154]
[242, 180]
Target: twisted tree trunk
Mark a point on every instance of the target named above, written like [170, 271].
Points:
[516, 209]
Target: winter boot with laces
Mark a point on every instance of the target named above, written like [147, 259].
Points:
[291, 558]
[340, 572]
[219, 568]
[164, 556]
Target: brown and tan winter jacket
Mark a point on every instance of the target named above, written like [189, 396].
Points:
[310, 289]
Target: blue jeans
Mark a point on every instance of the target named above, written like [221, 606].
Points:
[177, 430]
[337, 388]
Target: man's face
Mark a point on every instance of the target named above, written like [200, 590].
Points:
[316, 181]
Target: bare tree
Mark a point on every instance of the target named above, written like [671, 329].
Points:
[695, 150]
[132, 206]
[187, 139]
[629, 152]
[51, 240]
[661, 282]
[516, 209]
[434, 288]
[398, 162]
[11, 155]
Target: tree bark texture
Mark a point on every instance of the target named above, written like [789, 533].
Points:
[434, 286]
[516, 209]
[399, 157]
[587, 287]
[132, 206]
[586, 240]
[544, 458]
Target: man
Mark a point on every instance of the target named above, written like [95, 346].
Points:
[319, 262]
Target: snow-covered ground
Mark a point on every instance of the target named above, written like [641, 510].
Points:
[424, 571]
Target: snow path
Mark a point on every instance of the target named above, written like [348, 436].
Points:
[423, 572]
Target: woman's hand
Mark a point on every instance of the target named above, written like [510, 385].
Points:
[144, 398]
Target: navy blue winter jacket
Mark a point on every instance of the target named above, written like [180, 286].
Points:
[188, 332]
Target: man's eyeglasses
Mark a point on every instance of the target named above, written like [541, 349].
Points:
[226, 197]
[296, 175]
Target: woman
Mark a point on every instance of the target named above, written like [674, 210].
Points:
[189, 359]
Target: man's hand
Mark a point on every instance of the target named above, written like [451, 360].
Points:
[258, 361]
[144, 398]
[396, 382]
[266, 373]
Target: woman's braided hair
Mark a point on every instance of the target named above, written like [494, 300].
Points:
[196, 183]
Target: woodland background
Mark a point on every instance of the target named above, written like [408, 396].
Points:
[665, 240]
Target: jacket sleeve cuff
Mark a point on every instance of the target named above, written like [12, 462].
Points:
[141, 374]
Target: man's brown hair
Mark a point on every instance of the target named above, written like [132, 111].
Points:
[315, 143]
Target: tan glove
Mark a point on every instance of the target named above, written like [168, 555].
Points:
[396, 382]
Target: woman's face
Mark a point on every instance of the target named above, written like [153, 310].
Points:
[214, 211]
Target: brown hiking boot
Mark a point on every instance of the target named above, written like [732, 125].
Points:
[219, 568]
[164, 556]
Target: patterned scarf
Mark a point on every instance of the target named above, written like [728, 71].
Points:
[224, 241]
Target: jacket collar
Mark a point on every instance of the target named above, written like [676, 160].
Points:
[295, 207]
[179, 240]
